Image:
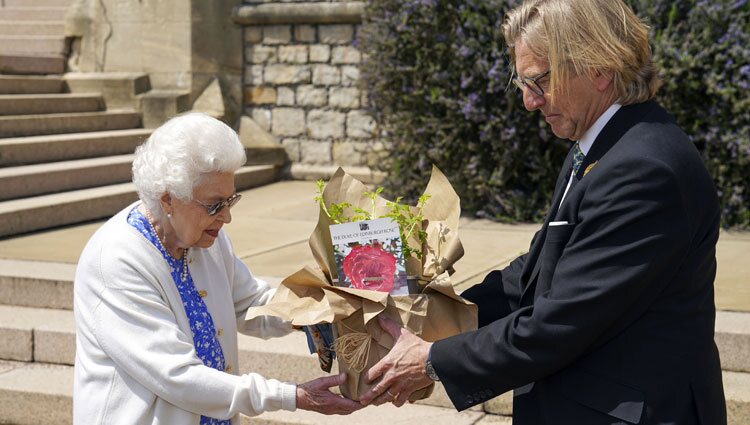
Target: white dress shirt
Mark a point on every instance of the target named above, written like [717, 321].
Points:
[590, 135]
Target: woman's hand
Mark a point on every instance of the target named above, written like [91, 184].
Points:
[316, 396]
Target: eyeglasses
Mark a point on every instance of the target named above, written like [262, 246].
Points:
[213, 209]
[532, 83]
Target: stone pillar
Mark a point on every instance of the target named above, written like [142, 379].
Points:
[301, 83]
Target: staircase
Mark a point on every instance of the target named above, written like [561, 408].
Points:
[65, 157]
[32, 37]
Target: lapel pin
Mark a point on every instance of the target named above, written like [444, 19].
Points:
[590, 167]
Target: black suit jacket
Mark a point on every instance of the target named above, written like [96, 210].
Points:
[610, 318]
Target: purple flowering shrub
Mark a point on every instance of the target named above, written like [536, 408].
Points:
[703, 50]
[436, 73]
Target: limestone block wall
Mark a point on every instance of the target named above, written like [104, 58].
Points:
[302, 81]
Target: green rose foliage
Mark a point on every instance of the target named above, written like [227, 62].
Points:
[436, 72]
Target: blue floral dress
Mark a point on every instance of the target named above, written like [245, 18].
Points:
[201, 324]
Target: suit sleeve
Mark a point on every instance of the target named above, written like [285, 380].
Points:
[499, 294]
[632, 234]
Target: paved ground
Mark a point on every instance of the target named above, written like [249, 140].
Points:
[271, 225]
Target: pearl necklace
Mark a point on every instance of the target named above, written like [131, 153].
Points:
[184, 274]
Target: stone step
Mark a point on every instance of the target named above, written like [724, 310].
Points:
[37, 335]
[48, 336]
[78, 122]
[31, 64]
[387, 413]
[32, 28]
[46, 211]
[33, 180]
[38, 3]
[255, 175]
[25, 84]
[58, 103]
[32, 393]
[736, 393]
[36, 284]
[42, 393]
[32, 13]
[50, 285]
[42, 287]
[33, 44]
[120, 89]
[63, 147]
[36, 394]
[732, 336]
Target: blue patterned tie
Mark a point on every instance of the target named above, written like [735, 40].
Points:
[578, 157]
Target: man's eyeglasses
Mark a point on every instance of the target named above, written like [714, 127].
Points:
[215, 208]
[532, 83]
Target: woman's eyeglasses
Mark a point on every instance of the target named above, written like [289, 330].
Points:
[213, 209]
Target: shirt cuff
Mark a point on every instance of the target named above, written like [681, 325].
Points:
[289, 397]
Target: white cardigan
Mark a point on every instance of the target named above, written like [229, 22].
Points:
[135, 360]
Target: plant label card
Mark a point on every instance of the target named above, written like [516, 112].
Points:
[369, 256]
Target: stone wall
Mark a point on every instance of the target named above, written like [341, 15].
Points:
[301, 83]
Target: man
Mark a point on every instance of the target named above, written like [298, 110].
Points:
[609, 317]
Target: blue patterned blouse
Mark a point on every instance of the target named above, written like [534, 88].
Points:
[201, 324]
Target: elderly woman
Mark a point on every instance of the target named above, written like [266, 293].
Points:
[160, 296]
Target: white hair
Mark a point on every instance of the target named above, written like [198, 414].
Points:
[179, 153]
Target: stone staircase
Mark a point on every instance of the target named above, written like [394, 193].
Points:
[65, 158]
[57, 149]
[66, 140]
[37, 351]
[32, 39]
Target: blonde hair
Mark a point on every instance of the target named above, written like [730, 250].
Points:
[587, 37]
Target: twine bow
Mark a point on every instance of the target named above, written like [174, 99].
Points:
[354, 349]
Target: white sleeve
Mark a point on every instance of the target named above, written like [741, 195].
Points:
[136, 328]
[249, 291]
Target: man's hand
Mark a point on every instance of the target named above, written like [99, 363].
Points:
[315, 395]
[402, 369]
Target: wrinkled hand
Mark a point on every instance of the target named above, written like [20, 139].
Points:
[402, 369]
[316, 396]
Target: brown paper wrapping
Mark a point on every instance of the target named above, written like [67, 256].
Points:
[307, 297]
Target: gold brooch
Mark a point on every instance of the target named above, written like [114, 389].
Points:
[590, 167]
